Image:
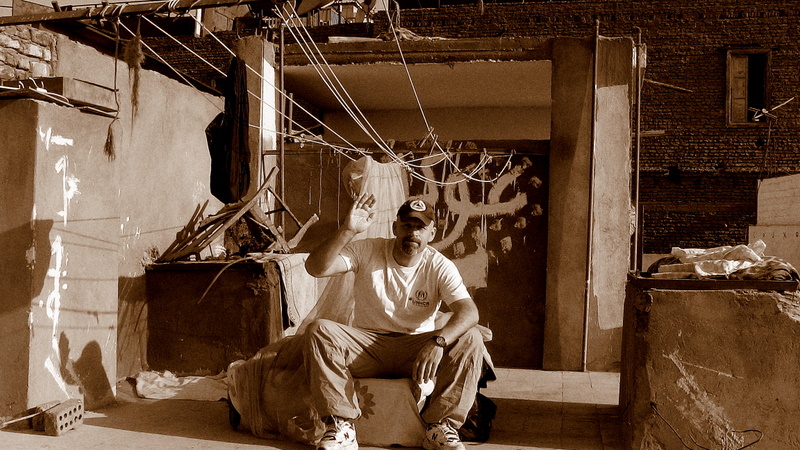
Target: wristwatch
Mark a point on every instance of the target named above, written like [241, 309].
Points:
[440, 342]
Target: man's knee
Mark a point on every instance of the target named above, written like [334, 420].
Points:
[471, 342]
[323, 327]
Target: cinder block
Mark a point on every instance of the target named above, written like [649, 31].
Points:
[64, 417]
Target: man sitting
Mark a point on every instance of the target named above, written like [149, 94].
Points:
[399, 286]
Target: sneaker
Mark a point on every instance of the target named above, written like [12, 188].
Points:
[339, 434]
[442, 436]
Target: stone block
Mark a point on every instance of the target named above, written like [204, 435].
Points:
[40, 69]
[708, 364]
[32, 50]
[9, 42]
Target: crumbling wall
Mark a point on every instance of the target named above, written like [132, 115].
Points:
[26, 52]
[717, 367]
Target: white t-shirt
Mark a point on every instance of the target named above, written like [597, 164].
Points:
[398, 299]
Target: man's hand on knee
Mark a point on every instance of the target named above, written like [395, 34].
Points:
[427, 362]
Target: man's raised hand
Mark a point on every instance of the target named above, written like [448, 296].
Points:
[361, 213]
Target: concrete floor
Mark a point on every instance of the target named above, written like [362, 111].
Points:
[536, 410]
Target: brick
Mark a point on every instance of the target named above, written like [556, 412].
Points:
[64, 417]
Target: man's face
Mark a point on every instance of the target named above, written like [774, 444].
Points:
[412, 235]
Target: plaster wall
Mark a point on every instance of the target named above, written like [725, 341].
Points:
[163, 174]
[779, 218]
[776, 200]
[67, 324]
[783, 241]
[710, 364]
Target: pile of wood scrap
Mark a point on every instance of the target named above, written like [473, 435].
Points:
[198, 234]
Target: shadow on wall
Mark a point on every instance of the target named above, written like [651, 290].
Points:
[87, 372]
[132, 327]
[27, 255]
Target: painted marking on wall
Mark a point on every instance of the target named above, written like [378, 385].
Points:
[462, 208]
[53, 306]
[54, 371]
[701, 410]
[69, 185]
[48, 138]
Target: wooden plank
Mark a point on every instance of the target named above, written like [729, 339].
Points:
[300, 233]
[185, 235]
[261, 218]
[704, 285]
[209, 235]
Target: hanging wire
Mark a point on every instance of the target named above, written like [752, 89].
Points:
[329, 77]
[352, 147]
[323, 68]
[408, 73]
[305, 46]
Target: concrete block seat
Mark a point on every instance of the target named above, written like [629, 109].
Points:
[390, 411]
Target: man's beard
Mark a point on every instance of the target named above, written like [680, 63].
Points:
[411, 246]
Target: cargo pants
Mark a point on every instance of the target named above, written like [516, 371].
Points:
[334, 354]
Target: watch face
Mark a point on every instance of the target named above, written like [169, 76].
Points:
[440, 341]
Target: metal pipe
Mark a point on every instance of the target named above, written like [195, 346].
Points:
[281, 140]
[590, 234]
[635, 259]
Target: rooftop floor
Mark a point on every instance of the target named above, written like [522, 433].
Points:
[536, 410]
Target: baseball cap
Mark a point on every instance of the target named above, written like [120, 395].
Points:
[417, 208]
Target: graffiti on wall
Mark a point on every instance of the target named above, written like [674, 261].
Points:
[469, 212]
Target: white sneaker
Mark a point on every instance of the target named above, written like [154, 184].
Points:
[442, 436]
[339, 434]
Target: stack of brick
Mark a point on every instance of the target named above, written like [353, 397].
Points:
[26, 52]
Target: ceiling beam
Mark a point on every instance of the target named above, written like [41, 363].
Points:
[114, 10]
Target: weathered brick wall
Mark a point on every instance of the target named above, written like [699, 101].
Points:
[715, 200]
[26, 52]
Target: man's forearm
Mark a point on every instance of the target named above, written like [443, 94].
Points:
[465, 316]
[322, 260]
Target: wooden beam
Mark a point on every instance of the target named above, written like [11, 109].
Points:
[114, 10]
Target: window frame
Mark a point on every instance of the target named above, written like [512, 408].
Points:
[729, 85]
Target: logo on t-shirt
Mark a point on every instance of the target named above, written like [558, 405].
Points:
[420, 299]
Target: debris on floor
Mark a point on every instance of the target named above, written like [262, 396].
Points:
[54, 418]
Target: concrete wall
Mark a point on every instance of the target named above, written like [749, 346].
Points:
[708, 365]
[65, 319]
[128, 209]
[611, 202]
[570, 154]
[163, 174]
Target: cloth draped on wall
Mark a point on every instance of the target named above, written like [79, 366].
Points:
[228, 137]
[270, 390]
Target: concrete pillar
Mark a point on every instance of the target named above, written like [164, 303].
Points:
[576, 147]
[570, 147]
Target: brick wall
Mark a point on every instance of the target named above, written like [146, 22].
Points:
[714, 199]
[26, 52]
